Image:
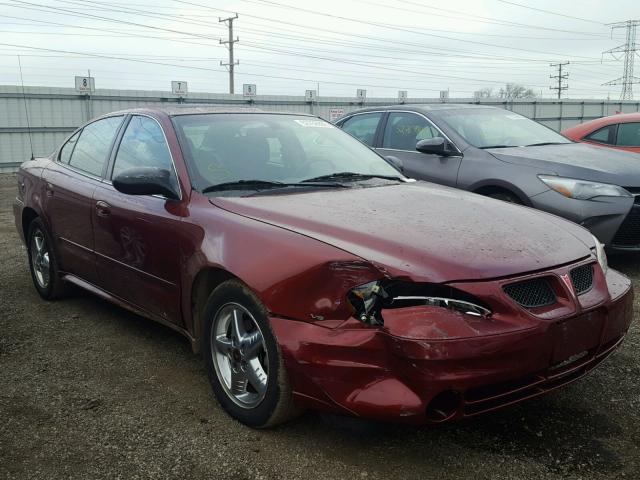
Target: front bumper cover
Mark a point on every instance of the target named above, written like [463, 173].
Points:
[432, 375]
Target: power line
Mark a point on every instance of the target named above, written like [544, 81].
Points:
[550, 12]
[396, 27]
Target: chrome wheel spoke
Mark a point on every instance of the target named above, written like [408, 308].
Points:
[257, 376]
[237, 326]
[238, 382]
[223, 344]
[252, 344]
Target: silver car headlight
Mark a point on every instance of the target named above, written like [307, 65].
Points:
[582, 189]
[601, 255]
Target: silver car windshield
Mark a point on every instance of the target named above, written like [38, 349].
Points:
[225, 148]
[497, 128]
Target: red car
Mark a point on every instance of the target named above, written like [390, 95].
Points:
[310, 273]
[620, 131]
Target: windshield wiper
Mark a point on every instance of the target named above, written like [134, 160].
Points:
[497, 146]
[351, 176]
[545, 143]
[264, 185]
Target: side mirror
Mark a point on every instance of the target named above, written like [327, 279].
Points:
[395, 162]
[146, 181]
[436, 146]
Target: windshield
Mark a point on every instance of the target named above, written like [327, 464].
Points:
[491, 128]
[277, 148]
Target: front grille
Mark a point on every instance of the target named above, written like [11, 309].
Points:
[582, 278]
[536, 292]
[628, 235]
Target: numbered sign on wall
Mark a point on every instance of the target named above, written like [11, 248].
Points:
[402, 96]
[311, 95]
[85, 85]
[249, 90]
[361, 94]
[179, 88]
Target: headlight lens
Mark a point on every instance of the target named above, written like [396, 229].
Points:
[582, 189]
[601, 255]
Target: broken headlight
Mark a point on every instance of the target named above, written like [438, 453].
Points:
[601, 255]
[369, 299]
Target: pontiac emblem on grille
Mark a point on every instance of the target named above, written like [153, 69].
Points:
[567, 281]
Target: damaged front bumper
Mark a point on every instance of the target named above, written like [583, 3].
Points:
[426, 365]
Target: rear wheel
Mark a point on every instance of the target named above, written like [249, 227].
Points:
[243, 359]
[42, 262]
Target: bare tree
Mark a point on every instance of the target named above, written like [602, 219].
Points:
[486, 92]
[513, 91]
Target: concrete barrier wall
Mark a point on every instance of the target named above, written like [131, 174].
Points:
[55, 112]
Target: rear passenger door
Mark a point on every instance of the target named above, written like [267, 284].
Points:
[69, 185]
[137, 236]
[402, 131]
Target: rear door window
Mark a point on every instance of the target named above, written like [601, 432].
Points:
[628, 135]
[67, 149]
[602, 135]
[363, 127]
[93, 146]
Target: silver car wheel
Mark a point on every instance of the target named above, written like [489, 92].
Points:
[40, 259]
[239, 355]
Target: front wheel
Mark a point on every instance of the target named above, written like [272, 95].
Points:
[505, 197]
[243, 359]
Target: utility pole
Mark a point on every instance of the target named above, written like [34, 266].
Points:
[629, 49]
[560, 76]
[229, 43]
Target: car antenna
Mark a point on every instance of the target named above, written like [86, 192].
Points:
[26, 110]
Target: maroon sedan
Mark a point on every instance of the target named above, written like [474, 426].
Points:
[310, 273]
[620, 131]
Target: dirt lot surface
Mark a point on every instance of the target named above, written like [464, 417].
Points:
[88, 390]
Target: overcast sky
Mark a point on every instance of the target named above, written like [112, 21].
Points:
[288, 46]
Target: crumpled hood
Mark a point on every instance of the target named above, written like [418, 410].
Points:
[577, 160]
[425, 231]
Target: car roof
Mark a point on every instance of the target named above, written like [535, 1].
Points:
[429, 107]
[592, 125]
[181, 109]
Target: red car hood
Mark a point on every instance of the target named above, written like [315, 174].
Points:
[424, 231]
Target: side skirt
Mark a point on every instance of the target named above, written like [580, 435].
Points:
[128, 306]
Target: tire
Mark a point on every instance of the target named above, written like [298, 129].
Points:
[243, 358]
[42, 262]
[505, 197]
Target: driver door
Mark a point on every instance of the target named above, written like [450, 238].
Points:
[137, 236]
[401, 133]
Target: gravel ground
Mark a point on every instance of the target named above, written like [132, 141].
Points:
[88, 390]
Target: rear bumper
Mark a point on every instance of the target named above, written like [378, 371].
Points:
[369, 373]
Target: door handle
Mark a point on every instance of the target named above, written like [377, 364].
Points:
[103, 209]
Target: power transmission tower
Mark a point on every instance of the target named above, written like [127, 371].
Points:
[229, 43]
[629, 49]
[560, 76]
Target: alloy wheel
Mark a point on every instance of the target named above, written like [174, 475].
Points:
[239, 355]
[40, 259]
